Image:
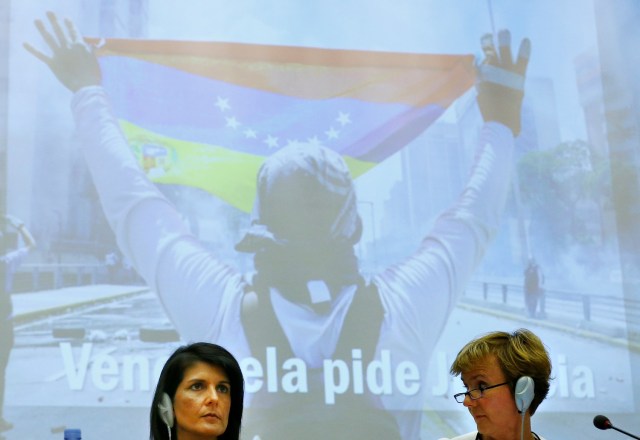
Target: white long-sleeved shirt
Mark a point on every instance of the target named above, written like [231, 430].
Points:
[202, 295]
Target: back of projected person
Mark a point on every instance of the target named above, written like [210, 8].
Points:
[313, 302]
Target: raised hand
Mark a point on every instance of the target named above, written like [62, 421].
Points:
[72, 60]
[13, 221]
[500, 81]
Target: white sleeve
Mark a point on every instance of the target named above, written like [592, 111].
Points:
[150, 232]
[432, 279]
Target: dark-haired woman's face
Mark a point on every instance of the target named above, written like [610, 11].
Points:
[202, 403]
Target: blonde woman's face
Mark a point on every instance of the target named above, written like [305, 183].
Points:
[495, 413]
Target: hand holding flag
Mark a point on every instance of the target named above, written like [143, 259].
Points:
[206, 114]
[500, 81]
[72, 60]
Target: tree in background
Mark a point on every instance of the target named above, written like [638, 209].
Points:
[566, 192]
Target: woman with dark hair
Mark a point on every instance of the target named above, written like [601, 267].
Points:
[200, 395]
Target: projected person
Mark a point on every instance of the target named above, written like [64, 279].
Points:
[327, 352]
[11, 256]
[533, 279]
[507, 376]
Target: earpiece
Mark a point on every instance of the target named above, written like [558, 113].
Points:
[165, 409]
[525, 391]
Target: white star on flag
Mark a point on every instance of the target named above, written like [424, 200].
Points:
[223, 104]
[272, 142]
[232, 122]
[344, 119]
[332, 133]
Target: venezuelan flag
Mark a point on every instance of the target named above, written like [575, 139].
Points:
[207, 114]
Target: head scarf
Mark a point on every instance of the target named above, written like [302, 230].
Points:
[305, 197]
[305, 223]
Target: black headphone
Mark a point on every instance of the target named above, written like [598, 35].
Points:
[524, 393]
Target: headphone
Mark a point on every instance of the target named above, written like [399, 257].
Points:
[165, 410]
[524, 393]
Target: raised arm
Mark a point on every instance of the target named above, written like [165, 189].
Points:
[149, 230]
[72, 60]
[438, 272]
[29, 241]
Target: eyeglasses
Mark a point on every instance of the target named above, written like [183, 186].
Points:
[476, 393]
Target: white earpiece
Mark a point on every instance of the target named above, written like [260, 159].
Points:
[165, 409]
[525, 391]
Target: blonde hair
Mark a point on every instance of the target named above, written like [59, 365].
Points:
[520, 353]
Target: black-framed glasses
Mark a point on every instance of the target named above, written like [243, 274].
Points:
[476, 393]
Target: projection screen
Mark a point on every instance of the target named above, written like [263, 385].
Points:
[312, 185]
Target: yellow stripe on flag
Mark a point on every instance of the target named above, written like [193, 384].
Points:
[227, 174]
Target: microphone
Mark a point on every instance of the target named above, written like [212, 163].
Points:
[603, 422]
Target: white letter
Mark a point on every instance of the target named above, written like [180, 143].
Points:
[104, 365]
[343, 373]
[272, 370]
[563, 380]
[442, 373]
[75, 374]
[295, 381]
[384, 367]
[358, 382]
[407, 372]
[157, 368]
[252, 371]
[583, 384]
[129, 363]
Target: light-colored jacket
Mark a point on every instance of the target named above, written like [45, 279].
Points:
[471, 436]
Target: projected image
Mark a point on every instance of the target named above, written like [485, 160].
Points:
[341, 210]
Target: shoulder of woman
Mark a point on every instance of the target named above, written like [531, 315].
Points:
[468, 436]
